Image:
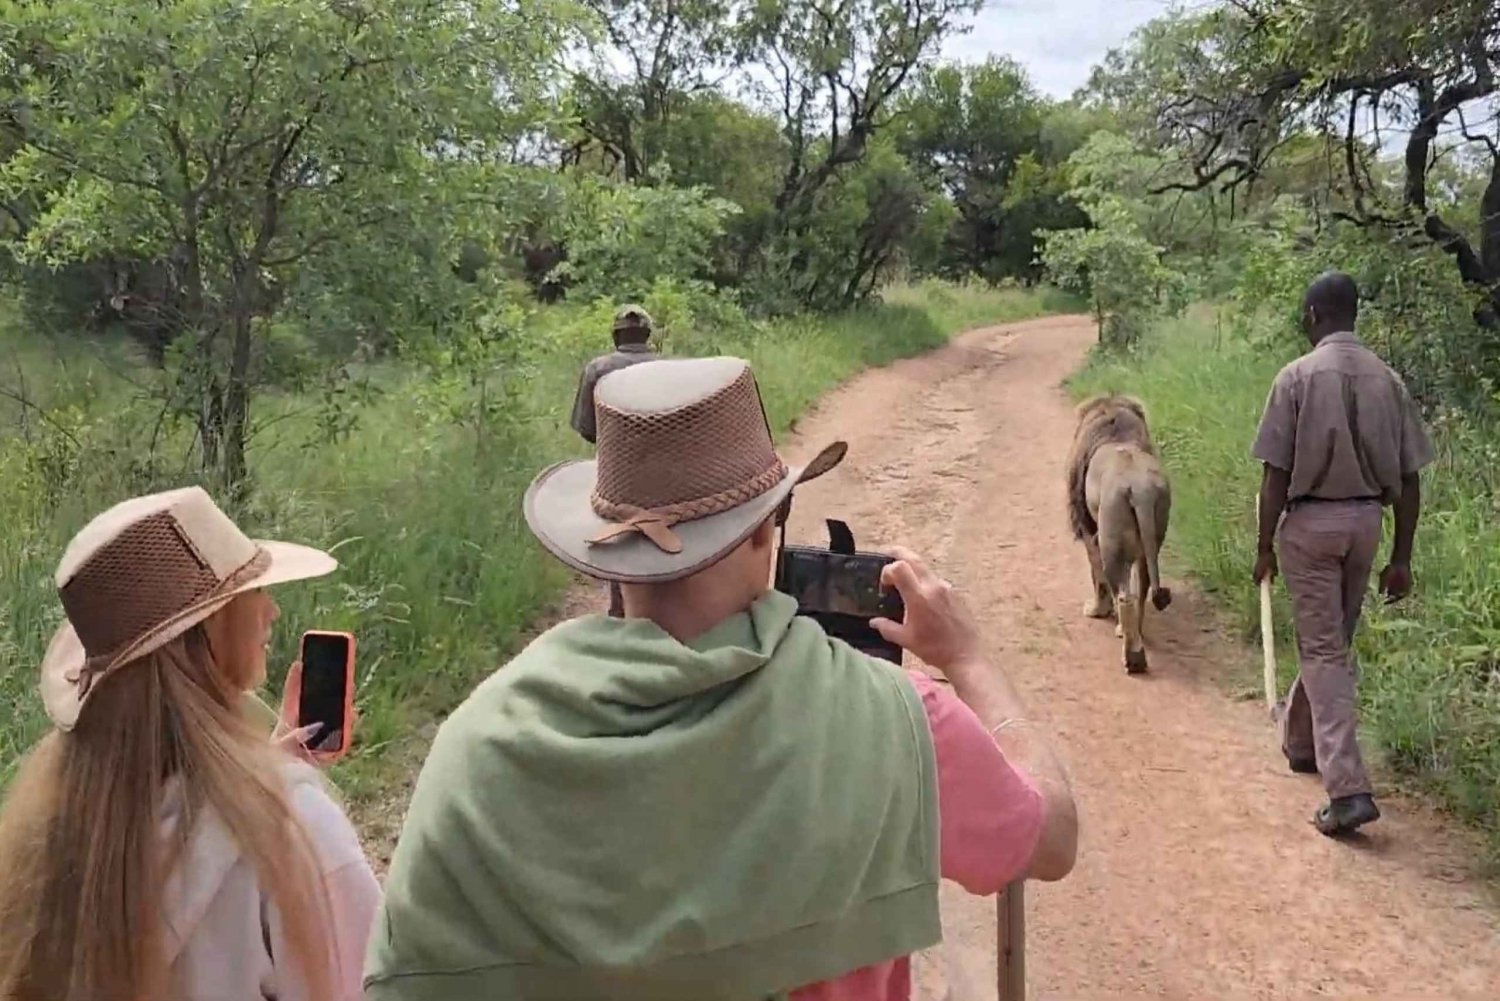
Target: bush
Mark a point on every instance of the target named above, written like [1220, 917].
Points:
[1413, 308]
[621, 238]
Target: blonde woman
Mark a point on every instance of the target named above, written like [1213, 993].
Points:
[155, 844]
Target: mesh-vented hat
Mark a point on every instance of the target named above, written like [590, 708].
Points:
[684, 471]
[143, 573]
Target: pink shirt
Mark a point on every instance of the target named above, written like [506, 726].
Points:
[990, 817]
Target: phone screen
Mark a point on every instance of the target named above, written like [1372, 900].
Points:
[842, 593]
[325, 666]
[835, 583]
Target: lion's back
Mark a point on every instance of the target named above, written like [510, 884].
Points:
[1106, 420]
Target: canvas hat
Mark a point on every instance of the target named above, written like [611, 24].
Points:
[143, 573]
[632, 317]
[685, 471]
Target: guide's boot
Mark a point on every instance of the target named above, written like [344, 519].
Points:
[1346, 814]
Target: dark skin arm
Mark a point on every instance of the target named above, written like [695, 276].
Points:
[1274, 485]
[1395, 579]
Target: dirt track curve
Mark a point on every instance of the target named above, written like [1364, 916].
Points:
[1199, 876]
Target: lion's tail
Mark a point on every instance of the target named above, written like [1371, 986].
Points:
[1145, 523]
[1079, 519]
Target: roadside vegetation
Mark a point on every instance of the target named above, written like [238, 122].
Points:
[418, 494]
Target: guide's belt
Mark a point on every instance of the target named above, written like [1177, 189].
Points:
[1310, 499]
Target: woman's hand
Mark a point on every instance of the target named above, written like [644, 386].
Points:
[292, 738]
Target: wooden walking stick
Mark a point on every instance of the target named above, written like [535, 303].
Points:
[1268, 645]
[1267, 635]
[1010, 942]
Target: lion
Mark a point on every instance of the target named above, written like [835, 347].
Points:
[1119, 502]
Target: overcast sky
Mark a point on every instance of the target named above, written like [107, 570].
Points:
[1058, 41]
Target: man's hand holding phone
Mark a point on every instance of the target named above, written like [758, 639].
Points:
[939, 627]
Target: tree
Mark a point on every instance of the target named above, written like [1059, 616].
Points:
[863, 222]
[974, 128]
[675, 52]
[1231, 88]
[241, 147]
[826, 76]
[1112, 261]
[734, 152]
[831, 71]
[622, 238]
[1117, 269]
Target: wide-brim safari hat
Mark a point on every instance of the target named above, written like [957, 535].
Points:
[685, 472]
[143, 573]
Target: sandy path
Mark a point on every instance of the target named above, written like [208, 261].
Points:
[1199, 876]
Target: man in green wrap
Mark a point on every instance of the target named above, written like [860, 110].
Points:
[709, 798]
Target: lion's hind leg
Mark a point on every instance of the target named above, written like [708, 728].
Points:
[1120, 550]
[1101, 605]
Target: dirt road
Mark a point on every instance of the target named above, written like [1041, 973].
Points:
[1198, 875]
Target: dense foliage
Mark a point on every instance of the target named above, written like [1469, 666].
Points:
[340, 260]
[1294, 136]
[259, 190]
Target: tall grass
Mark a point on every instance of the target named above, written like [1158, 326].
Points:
[421, 504]
[1430, 684]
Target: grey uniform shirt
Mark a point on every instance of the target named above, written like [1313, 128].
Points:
[623, 356]
[1342, 423]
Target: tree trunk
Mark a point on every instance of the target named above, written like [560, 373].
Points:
[1489, 221]
[1488, 314]
[210, 420]
[237, 404]
[1476, 268]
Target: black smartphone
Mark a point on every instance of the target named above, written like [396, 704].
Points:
[842, 592]
[327, 689]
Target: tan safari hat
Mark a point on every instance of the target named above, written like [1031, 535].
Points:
[143, 573]
[685, 471]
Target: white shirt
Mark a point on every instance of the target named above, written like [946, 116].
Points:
[225, 938]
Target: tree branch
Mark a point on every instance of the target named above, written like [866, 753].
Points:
[1204, 180]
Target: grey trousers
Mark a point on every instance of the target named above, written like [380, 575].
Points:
[1327, 553]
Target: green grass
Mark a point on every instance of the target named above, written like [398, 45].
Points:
[1430, 688]
[440, 577]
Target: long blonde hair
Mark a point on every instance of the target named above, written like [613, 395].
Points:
[83, 860]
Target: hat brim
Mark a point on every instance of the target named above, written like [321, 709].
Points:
[560, 514]
[65, 654]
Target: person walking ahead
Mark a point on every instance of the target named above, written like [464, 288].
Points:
[632, 334]
[1340, 440]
